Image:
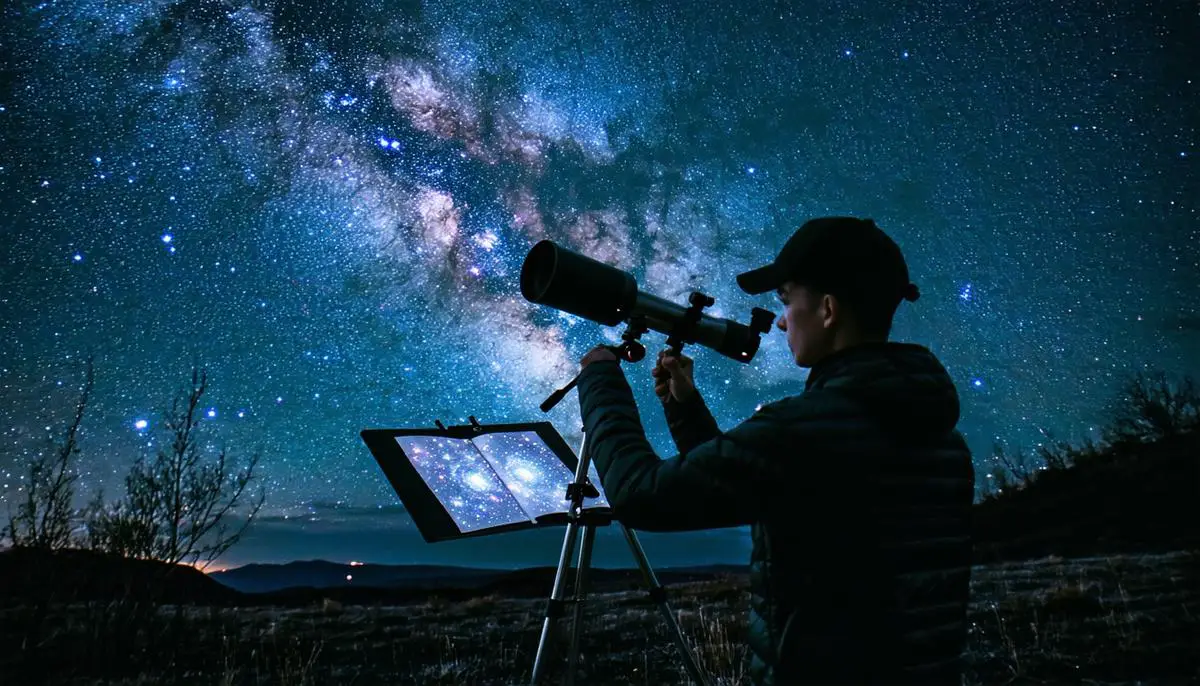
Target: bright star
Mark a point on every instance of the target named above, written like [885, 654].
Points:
[140, 424]
[166, 238]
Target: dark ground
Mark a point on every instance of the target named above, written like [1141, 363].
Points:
[1107, 620]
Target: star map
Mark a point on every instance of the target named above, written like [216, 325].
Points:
[494, 479]
[327, 205]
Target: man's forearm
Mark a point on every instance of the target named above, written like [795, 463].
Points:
[690, 422]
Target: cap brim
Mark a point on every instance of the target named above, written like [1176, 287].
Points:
[761, 280]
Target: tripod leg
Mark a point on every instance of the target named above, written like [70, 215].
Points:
[554, 608]
[659, 594]
[581, 574]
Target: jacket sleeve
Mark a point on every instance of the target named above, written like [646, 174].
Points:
[719, 483]
[691, 423]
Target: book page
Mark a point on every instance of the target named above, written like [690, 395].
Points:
[463, 482]
[533, 472]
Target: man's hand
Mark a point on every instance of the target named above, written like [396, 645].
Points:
[597, 354]
[673, 377]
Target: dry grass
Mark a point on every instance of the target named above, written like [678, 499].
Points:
[1102, 620]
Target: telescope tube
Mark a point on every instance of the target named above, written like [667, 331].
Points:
[574, 283]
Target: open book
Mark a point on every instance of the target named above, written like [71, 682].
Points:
[495, 479]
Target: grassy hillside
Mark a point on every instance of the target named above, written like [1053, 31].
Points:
[1121, 619]
[1124, 499]
[1134, 491]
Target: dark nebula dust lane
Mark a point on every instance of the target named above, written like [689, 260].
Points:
[328, 203]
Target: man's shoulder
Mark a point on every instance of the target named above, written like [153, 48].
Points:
[812, 405]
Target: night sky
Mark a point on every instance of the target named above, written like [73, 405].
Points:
[328, 203]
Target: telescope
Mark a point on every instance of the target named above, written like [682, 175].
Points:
[577, 284]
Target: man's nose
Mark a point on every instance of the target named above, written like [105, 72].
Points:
[781, 323]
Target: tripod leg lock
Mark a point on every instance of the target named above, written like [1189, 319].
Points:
[582, 490]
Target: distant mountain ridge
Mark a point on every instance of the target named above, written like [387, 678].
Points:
[83, 575]
[267, 578]
[323, 574]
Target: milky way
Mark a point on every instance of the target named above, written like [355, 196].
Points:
[328, 203]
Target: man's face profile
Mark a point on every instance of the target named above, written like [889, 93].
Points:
[808, 320]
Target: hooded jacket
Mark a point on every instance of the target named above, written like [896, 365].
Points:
[857, 492]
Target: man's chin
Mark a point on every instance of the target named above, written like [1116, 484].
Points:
[804, 359]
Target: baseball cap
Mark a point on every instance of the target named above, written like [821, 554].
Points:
[843, 256]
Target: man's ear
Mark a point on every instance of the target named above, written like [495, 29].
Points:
[831, 311]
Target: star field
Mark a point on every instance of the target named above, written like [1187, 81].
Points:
[328, 203]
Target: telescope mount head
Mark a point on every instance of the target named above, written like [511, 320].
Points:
[631, 348]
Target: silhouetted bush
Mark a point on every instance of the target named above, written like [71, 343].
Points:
[1150, 408]
[112, 602]
[1154, 407]
[178, 505]
[44, 516]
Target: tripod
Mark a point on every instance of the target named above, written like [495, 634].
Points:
[556, 607]
[630, 350]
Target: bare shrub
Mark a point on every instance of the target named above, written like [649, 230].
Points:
[178, 506]
[1152, 407]
[44, 519]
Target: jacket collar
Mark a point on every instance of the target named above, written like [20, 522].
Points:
[836, 363]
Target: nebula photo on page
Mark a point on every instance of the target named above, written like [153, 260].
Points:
[494, 479]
